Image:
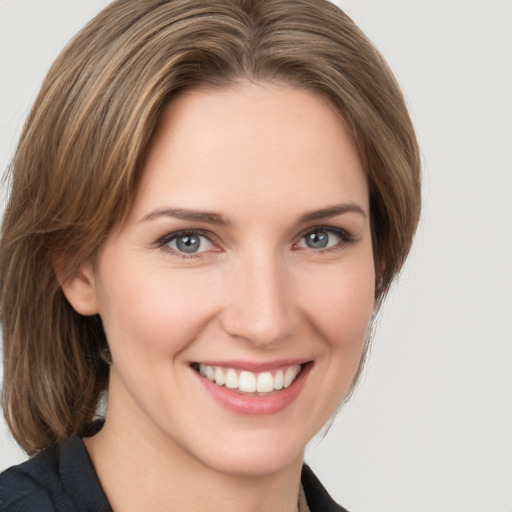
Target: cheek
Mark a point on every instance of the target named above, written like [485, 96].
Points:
[341, 304]
[154, 313]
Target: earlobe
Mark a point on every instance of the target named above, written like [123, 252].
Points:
[79, 288]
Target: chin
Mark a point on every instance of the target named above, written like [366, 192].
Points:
[252, 465]
[260, 454]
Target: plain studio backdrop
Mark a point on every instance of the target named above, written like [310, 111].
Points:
[430, 426]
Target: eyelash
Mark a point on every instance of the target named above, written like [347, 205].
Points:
[345, 239]
[168, 238]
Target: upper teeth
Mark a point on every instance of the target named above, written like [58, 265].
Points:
[249, 382]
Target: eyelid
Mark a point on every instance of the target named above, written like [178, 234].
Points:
[343, 234]
[164, 240]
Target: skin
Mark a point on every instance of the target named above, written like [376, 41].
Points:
[261, 156]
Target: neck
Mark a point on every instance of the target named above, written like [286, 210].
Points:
[151, 472]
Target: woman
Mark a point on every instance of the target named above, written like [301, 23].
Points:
[210, 201]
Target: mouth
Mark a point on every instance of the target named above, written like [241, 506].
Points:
[253, 389]
[248, 382]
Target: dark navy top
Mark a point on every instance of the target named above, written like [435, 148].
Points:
[62, 479]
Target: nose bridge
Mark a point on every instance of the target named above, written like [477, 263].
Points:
[260, 303]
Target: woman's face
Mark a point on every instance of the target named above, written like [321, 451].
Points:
[246, 258]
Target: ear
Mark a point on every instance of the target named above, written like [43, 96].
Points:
[80, 290]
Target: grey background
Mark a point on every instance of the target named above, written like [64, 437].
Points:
[430, 427]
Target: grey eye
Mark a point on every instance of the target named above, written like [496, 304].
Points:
[190, 243]
[319, 239]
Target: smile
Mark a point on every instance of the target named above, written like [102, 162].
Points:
[249, 382]
[253, 389]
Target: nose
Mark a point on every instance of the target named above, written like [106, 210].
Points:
[259, 303]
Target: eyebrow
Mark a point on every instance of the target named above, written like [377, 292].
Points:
[217, 219]
[331, 211]
[186, 214]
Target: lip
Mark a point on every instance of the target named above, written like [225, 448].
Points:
[255, 405]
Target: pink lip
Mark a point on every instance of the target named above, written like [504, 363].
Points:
[254, 405]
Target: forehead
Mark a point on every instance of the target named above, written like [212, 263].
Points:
[262, 144]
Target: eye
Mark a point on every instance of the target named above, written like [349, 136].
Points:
[323, 239]
[187, 242]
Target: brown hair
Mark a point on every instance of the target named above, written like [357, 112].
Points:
[77, 166]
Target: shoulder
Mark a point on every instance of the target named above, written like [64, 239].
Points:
[317, 497]
[33, 485]
[59, 479]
